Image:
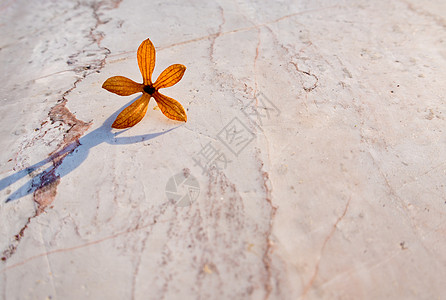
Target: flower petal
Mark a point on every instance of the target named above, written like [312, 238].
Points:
[170, 107]
[122, 86]
[170, 76]
[133, 113]
[146, 60]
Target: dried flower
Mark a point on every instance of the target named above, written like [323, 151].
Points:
[123, 86]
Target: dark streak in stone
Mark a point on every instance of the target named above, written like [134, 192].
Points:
[45, 186]
[267, 261]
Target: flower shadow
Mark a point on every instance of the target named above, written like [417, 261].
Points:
[70, 157]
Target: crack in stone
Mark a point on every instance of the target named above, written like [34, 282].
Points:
[329, 236]
[45, 185]
[266, 257]
[243, 29]
[88, 244]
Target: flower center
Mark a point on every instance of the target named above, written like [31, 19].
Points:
[149, 89]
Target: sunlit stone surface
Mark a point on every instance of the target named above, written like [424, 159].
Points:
[312, 165]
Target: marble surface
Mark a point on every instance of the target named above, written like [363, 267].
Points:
[312, 165]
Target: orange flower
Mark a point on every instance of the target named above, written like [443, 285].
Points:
[123, 86]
